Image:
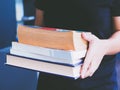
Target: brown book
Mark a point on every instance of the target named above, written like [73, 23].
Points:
[68, 40]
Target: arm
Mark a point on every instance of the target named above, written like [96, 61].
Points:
[115, 38]
[39, 17]
[102, 46]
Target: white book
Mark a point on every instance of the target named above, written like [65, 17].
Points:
[42, 66]
[71, 56]
[45, 58]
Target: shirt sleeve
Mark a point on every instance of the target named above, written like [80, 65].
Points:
[39, 4]
[116, 8]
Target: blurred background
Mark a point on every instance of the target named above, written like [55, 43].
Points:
[25, 11]
[13, 12]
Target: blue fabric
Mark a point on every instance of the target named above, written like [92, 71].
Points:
[13, 78]
[7, 22]
[118, 69]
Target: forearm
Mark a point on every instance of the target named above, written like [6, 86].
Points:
[39, 18]
[113, 44]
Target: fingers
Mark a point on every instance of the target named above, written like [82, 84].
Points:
[86, 64]
[93, 66]
[90, 64]
[92, 59]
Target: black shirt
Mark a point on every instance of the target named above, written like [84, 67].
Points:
[90, 15]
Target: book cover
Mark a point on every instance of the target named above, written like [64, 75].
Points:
[58, 69]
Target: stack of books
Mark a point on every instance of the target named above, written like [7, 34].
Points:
[54, 51]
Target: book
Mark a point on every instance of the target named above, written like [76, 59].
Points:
[45, 58]
[42, 66]
[47, 54]
[64, 40]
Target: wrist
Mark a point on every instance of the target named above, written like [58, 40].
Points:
[110, 49]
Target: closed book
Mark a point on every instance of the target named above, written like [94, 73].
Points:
[43, 66]
[47, 54]
[64, 40]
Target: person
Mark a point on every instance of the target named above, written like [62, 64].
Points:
[101, 19]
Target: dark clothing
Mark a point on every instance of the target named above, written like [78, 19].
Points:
[103, 79]
[90, 15]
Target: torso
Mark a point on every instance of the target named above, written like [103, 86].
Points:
[89, 15]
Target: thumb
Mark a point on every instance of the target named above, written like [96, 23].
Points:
[88, 36]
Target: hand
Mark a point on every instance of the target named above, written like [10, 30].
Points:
[96, 51]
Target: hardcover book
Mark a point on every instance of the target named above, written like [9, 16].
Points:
[42, 66]
[47, 54]
[65, 40]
